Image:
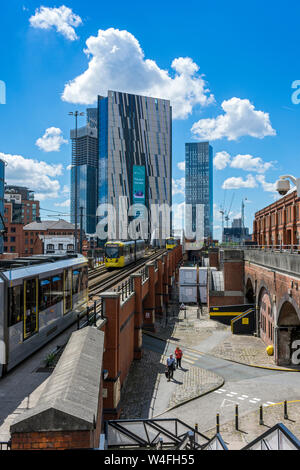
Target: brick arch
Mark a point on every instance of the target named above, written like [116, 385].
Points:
[249, 288]
[283, 307]
[263, 286]
[266, 314]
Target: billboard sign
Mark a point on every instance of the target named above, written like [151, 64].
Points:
[139, 190]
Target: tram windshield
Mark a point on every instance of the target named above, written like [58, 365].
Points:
[112, 251]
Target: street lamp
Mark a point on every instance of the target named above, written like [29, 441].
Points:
[75, 164]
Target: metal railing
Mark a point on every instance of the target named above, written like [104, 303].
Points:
[157, 433]
[295, 249]
[5, 445]
[92, 314]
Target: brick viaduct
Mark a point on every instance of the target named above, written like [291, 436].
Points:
[126, 317]
[272, 280]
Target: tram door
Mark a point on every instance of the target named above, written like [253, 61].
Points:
[67, 290]
[30, 307]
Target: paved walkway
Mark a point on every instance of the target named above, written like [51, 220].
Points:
[147, 392]
[249, 427]
[194, 329]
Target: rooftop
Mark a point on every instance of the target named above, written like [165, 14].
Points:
[60, 224]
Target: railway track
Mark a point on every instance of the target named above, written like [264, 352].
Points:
[109, 279]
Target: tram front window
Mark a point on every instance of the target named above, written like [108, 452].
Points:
[112, 251]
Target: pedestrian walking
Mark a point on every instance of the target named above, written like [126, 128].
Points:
[171, 367]
[178, 355]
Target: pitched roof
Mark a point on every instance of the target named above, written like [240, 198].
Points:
[50, 224]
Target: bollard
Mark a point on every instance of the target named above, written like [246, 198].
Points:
[237, 417]
[196, 427]
[261, 417]
[218, 423]
[78, 320]
[285, 410]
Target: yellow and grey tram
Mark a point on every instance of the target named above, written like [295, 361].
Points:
[40, 296]
[171, 243]
[119, 254]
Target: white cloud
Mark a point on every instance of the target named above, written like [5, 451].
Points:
[240, 119]
[117, 62]
[65, 203]
[221, 160]
[181, 166]
[66, 189]
[250, 163]
[62, 19]
[51, 140]
[178, 186]
[268, 187]
[239, 182]
[241, 162]
[39, 176]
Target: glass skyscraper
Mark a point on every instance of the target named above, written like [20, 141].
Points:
[199, 182]
[135, 150]
[85, 163]
[2, 166]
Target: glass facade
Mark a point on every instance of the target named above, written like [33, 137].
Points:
[86, 192]
[2, 166]
[134, 131]
[199, 182]
[85, 168]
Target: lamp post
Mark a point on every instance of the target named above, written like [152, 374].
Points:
[75, 164]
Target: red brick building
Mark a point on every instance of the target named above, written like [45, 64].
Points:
[279, 223]
[20, 209]
[51, 236]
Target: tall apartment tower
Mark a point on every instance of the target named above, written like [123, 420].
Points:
[2, 166]
[135, 152]
[85, 163]
[199, 182]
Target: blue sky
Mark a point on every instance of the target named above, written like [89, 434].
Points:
[248, 53]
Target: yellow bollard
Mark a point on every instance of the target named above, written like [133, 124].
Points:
[270, 350]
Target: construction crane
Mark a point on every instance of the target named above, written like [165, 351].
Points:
[227, 215]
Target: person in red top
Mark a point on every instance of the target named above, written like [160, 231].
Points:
[178, 355]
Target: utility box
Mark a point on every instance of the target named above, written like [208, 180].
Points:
[203, 285]
[188, 294]
[188, 276]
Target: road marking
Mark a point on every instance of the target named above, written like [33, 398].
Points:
[229, 395]
[190, 362]
[233, 393]
[190, 354]
[222, 390]
[270, 403]
[217, 391]
[190, 357]
[229, 403]
[257, 399]
[240, 398]
[252, 401]
[245, 396]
